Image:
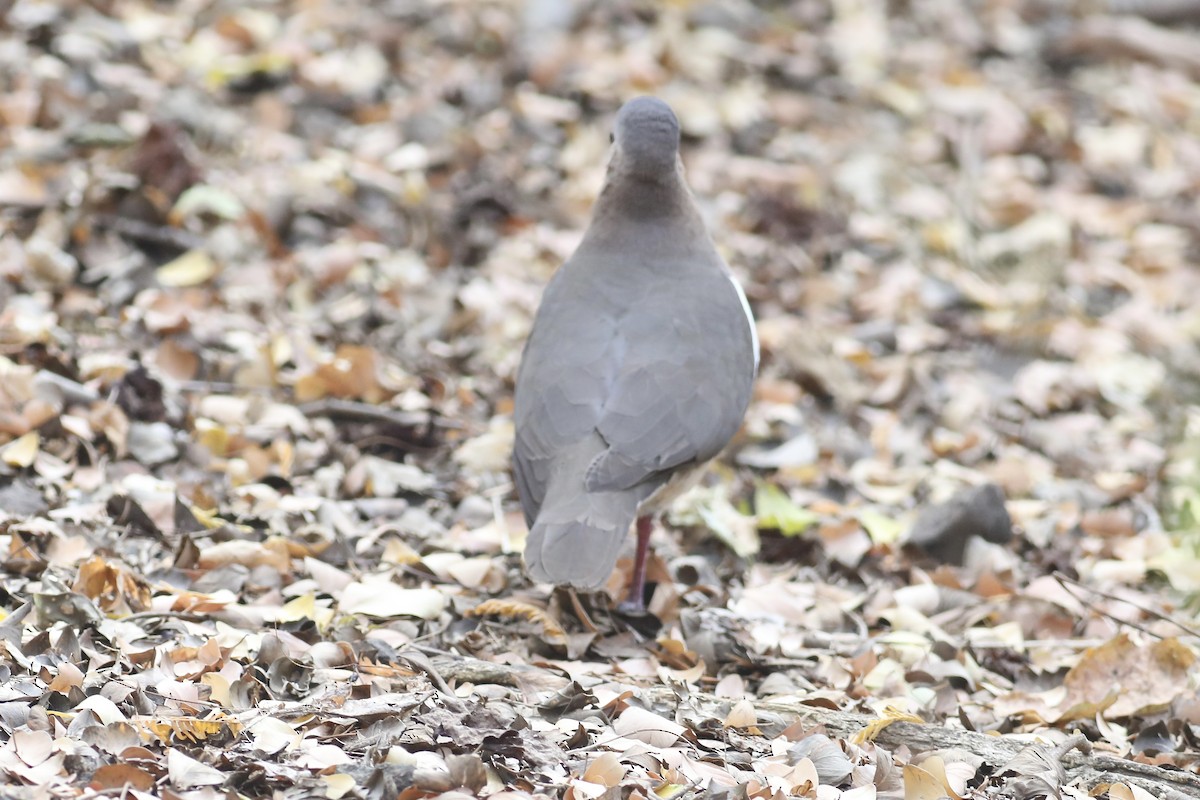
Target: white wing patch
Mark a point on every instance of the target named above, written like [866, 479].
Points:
[737, 287]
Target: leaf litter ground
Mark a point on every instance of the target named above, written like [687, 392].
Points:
[266, 272]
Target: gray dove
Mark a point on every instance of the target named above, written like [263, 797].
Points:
[638, 368]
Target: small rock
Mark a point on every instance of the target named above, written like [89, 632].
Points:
[943, 531]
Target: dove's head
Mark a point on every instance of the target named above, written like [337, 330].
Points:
[646, 137]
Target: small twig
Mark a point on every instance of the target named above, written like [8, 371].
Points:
[580, 612]
[221, 387]
[392, 442]
[186, 616]
[419, 661]
[1063, 580]
[683, 742]
[1070, 644]
[1158, 10]
[335, 408]
[146, 232]
[1132, 37]
[968, 148]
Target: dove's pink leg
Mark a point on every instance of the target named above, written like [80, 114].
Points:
[637, 588]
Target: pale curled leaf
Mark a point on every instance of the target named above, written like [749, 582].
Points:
[338, 785]
[741, 715]
[384, 599]
[646, 726]
[186, 772]
[606, 770]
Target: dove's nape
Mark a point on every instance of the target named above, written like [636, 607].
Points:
[638, 368]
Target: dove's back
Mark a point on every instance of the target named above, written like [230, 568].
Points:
[639, 366]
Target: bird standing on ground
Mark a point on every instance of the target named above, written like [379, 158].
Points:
[638, 369]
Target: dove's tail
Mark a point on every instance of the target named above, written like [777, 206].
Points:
[577, 535]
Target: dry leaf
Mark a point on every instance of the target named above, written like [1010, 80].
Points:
[193, 268]
[188, 773]
[1145, 678]
[516, 610]
[922, 785]
[384, 599]
[646, 726]
[876, 726]
[21, 452]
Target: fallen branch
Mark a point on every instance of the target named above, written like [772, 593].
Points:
[149, 232]
[366, 412]
[1131, 37]
[1158, 10]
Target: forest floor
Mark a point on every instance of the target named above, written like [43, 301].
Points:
[265, 274]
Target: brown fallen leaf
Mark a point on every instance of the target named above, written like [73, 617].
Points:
[118, 776]
[1141, 678]
[1109, 523]
[273, 552]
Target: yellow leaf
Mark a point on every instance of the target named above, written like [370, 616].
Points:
[218, 687]
[21, 452]
[936, 767]
[775, 509]
[876, 726]
[303, 607]
[881, 528]
[190, 269]
[207, 517]
[515, 609]
[225, 71]
[190, 729]
[396, 551]
[213, 436]
[946, 237]
[204, 199]
[921, 785]
[337, 785]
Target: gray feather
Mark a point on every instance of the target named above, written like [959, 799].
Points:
[578, 535]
